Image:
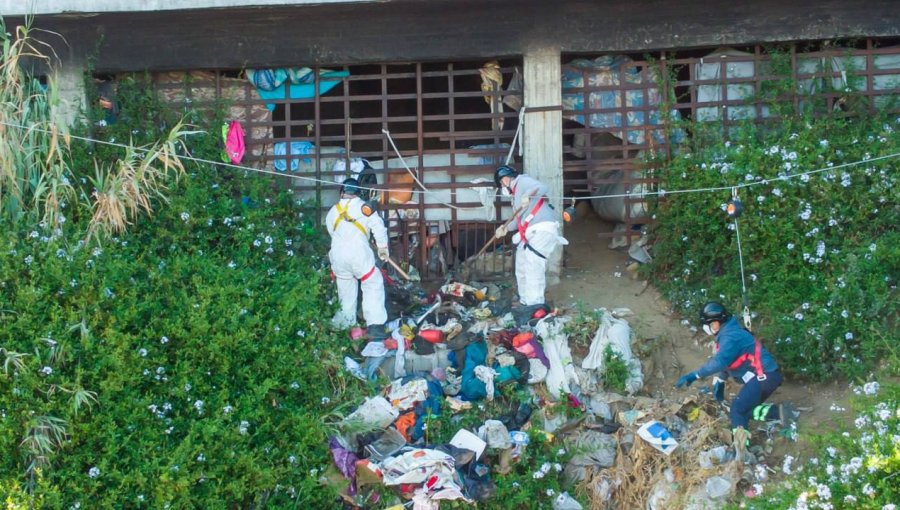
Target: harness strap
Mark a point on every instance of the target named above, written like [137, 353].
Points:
[522, 225]
[755, 360]
[368, 275]
[532, 250]
[343, 216]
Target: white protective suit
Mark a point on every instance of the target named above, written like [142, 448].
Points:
[353, 261]
[536, 237]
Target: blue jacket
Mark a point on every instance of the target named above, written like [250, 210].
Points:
[734, 341]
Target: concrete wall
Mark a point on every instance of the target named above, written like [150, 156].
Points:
[26, 7]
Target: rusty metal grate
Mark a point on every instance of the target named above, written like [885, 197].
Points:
[447, 128]
[716, 89]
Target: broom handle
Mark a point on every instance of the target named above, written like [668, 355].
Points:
[494, 238]
[397, 267]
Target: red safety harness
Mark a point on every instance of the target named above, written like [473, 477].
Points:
[364, 277]
[755, 360]
[522, 226]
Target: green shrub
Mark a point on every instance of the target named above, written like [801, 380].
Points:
[851, 469]
[821, 253]
[615, 370]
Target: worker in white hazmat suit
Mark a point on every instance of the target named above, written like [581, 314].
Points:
[352, 260]
[536, 232]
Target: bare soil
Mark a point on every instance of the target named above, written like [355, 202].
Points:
[595, 276]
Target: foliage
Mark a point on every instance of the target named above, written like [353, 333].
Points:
[820, 251]
[34, 164]
[615, 370]
[852, 469]
[583, 326]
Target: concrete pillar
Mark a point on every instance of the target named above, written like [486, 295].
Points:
[542, 134]
[70, 84]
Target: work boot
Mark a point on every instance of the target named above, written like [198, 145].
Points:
[787, 414]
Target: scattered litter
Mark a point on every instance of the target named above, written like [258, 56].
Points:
[658, 436]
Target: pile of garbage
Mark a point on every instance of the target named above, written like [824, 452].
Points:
[474, 382]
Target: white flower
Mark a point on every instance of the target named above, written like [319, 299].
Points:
[868, 490]
[292, 459]
[557, 467]
[804, 177]
[94, 472]
[786, 467]
[28, 260]
[142, 352]
[820, 248]
[185, 216]
[201, 458]
[198, 405]
[227, 409]
[46, 370]
[550, 492]
[872, 247]
[805, 306]
[832, 451]
[848, 335]
[268, 239]
[242, 428]
[798, 316]
[845, 180]
[164, 340]
[561, 451]
[790, 246]
[760, 199]
[849, 498]
[870, 388]
[231, 265]
[752, 277]
[776, 192]
[256, 242]
[325, 401]
[537, 475]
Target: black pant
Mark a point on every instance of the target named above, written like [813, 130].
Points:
[753, 393]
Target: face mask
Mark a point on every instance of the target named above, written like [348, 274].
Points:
[708, 330]
[505, 191]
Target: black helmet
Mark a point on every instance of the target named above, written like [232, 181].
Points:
[713, 312]
[504, 171]
[350, 187]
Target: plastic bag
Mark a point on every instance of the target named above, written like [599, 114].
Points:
[617, 334]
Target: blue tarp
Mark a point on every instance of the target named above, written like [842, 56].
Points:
[305, 89]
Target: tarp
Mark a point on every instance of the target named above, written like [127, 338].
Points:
[607, 71]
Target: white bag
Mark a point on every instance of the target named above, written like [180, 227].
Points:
[617, 334]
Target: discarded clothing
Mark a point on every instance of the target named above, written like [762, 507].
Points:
[345, 462]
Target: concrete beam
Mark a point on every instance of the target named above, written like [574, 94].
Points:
[542, 134]
[25, 8]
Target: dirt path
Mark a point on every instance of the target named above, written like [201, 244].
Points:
[595, 276]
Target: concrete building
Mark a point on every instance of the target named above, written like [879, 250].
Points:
[446, 79]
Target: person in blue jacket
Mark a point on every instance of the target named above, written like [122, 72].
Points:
[740, 355]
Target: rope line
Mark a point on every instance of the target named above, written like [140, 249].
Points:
[642, 194]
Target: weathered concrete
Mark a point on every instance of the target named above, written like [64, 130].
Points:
[25, 7]
[420, 30]
[70, 84]
[542, 134]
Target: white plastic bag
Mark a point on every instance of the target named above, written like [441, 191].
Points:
[556, 346]
[615, 333]
[375, 411]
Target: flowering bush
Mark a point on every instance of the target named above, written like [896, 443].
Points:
[821, 251]
[184, 364]
[854, 469]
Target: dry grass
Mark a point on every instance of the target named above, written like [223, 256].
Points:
[34, 143]
[127, 188]
[629, 484]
